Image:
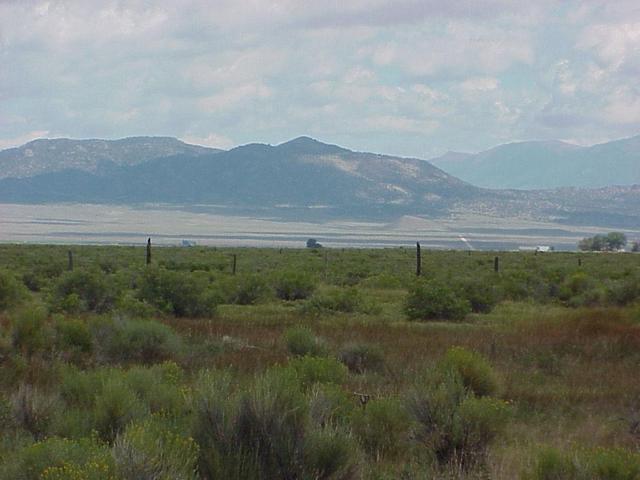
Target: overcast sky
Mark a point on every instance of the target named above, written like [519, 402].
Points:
[406, 77]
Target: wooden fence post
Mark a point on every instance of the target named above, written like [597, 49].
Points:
[235, 261]
[149, 251]
[496, 264]
[418, 260]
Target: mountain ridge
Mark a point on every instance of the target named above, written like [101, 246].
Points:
[548, 164]
[307, 175]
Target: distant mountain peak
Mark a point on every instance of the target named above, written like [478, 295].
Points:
[308, 145]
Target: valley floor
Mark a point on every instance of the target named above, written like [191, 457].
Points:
[217, 226]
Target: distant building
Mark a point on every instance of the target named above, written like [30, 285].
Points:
[312, 243]
[539, 248]
[188, 243]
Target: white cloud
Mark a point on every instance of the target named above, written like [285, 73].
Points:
[234, 96]
[408, 76]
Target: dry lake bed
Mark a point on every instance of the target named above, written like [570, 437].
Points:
[117, 224]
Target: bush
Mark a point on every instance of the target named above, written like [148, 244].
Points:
[360, 357]
[481, 421]
[482, 294]
[329, 404]
[255, 434]
[293, 286]
[264, 431]
[145, 341]
[452, 423]
[474, 370]
[330, 453]
[73, 335]
[130, 306]
[84, 291]
[115, 408]
[181, 294]
[301, 341]
[30, 332]
[12, 292]
[429, 300]
[247, 289]
[152, 449]
[60, 459]
[312, 370]
[335, 299]
[383, 428]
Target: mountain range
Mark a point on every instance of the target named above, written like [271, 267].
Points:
[549, 164]
[303, 175]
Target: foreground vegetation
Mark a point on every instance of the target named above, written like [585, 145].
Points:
[317, 364]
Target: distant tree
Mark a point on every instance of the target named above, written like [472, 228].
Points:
[635, 247]
[600, 243]
[312, 243]
[616, 240]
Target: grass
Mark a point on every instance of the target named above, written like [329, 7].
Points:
[567, 369]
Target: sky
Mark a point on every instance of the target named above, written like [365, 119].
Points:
[405, 77]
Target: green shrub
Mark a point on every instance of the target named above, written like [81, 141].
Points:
[454, 425]
[312, 370]
[158, 388]
[12, 292]
[430, 300]
[482, 294]
[383, 428]
[257, 434]
[60, 459]
[84, 291]
[361, 357]
[115, 408]
[301, 341]
[481, 421]
[30, 332]
[329, 404]
[624, 292]
[130, 306]
[145, 341]
[152, 449]
[330, 453]
[335, 299]
[179, 293]
[474, 370]
[247, 289]
[293, 285]
[73, 335]
[433, 405]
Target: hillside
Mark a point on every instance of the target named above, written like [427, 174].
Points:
[308, 179]
[302, 172]
[55, 155]
[551, 164]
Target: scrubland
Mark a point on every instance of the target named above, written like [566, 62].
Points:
[317, 364]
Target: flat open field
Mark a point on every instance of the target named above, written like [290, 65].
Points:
[317, 363]
[218, 226]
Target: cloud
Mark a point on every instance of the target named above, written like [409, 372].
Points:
[413, 77]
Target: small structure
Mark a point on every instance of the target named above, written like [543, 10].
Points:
[188, 243]
[313, 243]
